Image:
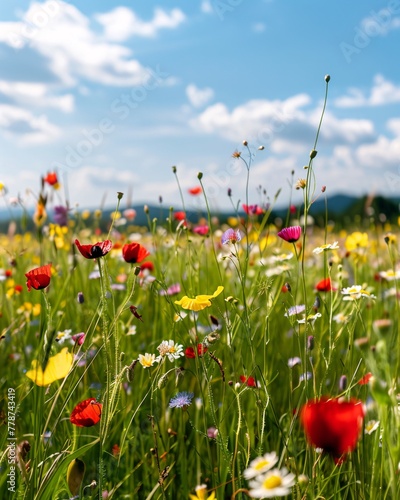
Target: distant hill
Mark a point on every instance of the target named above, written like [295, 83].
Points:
[345, 210]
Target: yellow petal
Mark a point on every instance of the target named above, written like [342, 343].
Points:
[198, 303]
[57, 367]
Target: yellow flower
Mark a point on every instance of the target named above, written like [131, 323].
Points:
[57, 367]
[201, 493]
[27, 308]
[356, 240]
[56, 234]
[199, 302]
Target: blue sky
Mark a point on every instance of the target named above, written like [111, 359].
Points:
[112, 94]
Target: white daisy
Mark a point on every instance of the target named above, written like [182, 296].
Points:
[274, 483]
[327, 246]
[260, 465]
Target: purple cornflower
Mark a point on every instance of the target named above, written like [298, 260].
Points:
[60, 215]
[231, 236]
[295, 310]
[181, 400]
[290, 234]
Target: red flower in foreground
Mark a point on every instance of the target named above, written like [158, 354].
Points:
[134, 252]
[86, 413]
[99, 249]
[250, 381]
[325, 285]
[332, 424]
[195, 190]
[39, 277]
[191, 353]
[290, 234]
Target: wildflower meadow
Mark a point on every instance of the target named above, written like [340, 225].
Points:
[199, 359]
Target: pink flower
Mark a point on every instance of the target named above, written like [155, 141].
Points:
[290, 234]
[201, 230]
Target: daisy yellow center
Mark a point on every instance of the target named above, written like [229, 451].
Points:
[261, 464]
[147, 361]
[272, 482]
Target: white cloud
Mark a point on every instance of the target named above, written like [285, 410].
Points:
[382, 92]
[382, 153]
[271, 122]
[122, 23]
[254, 118]
[73, 50]
[24, 127]
[36, 94]
[199, 97]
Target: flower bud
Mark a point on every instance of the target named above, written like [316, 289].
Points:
[327, 78]
[174, 169]
[120, 195]
[80, 298]
[310, 343]
[313, 153]
[342, 383]
[200, 175]
[245, 143]
[261, 148]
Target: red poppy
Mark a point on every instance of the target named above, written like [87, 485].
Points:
[18, 288]
[134, 252]
[86, 413]
[191, 353]
[250, 381]
[332, 424]
[195, 190]
[95, 251]
[39, 277]
[365, 379]
[325, 285]
[147, 265]
[51, 179]
[179, 215]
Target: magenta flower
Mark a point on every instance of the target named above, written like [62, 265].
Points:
[290, 234]
[231, 236]
[201, 230]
